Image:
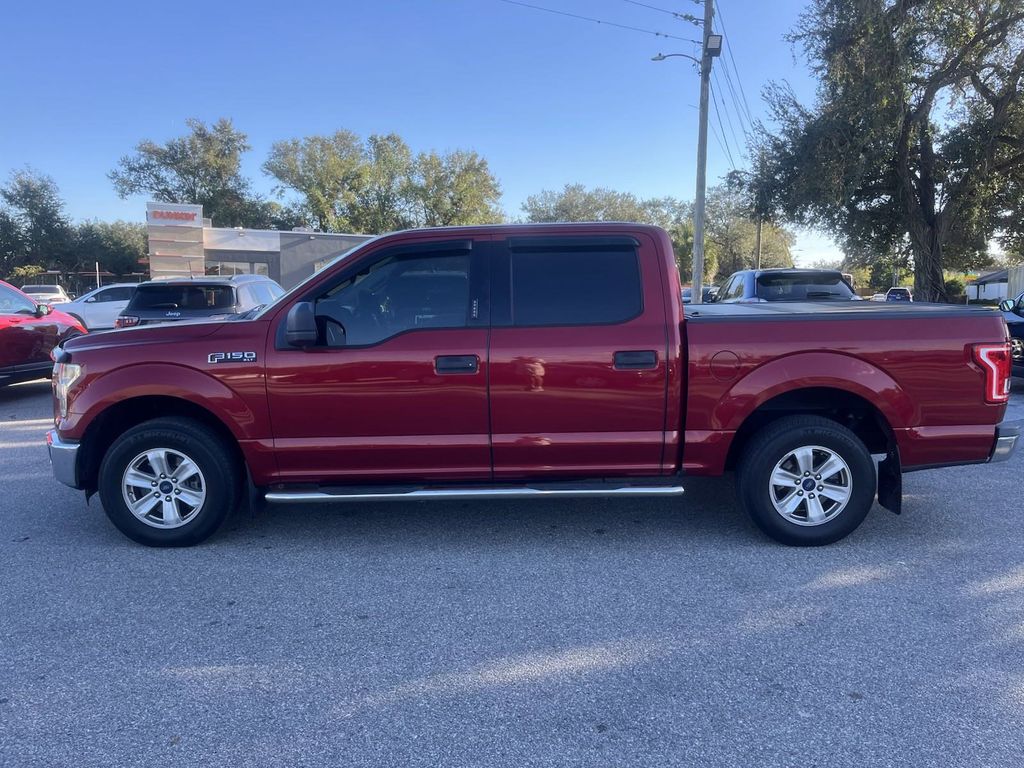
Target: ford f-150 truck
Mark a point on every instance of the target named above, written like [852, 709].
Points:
[525, 361]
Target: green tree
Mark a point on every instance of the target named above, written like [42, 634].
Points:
[346, 184]
[33, 226]
[384, 201]
[201, 167]
[915, 137]
[117, 246]
[25, 273]
[455, 188]
[326, 171]
[731, 235]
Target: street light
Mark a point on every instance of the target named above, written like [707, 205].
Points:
[663, 56]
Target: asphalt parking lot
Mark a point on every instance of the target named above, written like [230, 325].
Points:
[613, 633]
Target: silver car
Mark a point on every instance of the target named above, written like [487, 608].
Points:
[46, 294]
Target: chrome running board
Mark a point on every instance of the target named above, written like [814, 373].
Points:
[436, 494]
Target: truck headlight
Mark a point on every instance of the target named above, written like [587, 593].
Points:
[64, 375]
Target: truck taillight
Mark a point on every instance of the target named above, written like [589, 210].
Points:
[126, 321]
[994, 360]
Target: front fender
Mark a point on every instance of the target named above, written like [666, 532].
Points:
[165, 380]
[805, 370]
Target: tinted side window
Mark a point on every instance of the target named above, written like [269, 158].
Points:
[115, 294]
[735, 289]
[398, 294]
[575, 287]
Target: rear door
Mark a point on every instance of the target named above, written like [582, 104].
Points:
[106, 304]
[578, 357]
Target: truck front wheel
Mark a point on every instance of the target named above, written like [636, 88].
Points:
[169, 482]
[806, 480]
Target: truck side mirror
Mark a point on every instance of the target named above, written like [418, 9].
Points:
[300, 325]
[1007, 305]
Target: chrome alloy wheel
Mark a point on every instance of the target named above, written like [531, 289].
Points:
[1017, 349]
[163, 488]
[811, 485]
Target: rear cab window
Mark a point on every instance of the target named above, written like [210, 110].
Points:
[184, 297]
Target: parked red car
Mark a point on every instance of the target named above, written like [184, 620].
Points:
[28, 332]
[522, 362]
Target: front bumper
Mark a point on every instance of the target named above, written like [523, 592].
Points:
[63, 458]
[1007, 437]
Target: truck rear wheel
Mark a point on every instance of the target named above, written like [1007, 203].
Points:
[169, 483]
[806, 481]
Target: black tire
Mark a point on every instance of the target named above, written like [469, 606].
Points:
[219, 478]
[81, 322]
[782, 441]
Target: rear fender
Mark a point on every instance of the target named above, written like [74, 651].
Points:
[808, 370]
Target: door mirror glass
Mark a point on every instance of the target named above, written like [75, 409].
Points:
[300, 325]
[42, 310]
[1009, 305]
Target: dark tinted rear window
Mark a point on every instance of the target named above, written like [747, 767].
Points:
[802, 287]
[198, 298]
[575, 287]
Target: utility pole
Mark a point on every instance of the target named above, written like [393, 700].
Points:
[712, 47]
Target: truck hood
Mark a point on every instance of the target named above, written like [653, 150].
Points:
[147, 334]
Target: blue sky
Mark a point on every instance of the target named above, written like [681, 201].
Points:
[547, 100]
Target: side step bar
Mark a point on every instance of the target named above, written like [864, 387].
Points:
[435, 494]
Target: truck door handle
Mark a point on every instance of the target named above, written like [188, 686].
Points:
[636, 360]
[449, 364]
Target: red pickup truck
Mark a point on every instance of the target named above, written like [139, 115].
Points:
[525, 361]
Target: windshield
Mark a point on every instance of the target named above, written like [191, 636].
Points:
[803, 286]
[301, 286]
[43, 289]
[14, 303]
[188, 297]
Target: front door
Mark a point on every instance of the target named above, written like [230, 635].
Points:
[396, 388]
[578, 357]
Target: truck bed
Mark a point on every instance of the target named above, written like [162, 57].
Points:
[876, 310]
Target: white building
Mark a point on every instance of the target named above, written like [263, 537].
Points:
[182, 243]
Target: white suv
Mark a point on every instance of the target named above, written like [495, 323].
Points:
[100, 307]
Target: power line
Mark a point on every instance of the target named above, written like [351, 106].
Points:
[682, 16]
[597, 21]
[714, 132]
[718, 92]
[725, 138]
[739, 80]
[745, 124]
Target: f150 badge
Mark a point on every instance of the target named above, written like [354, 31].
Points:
[231, 357]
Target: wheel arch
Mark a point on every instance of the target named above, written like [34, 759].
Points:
[851, 410]
[125, 414]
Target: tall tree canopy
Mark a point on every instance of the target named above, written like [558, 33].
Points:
[201, 167]
[117, 246]
[916, 138]
[33, 226]
[346, 184]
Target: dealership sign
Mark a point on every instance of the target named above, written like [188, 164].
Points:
[174, 215]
